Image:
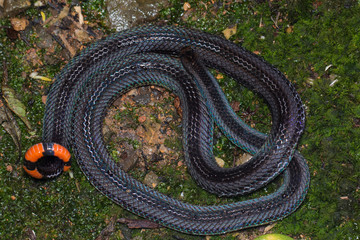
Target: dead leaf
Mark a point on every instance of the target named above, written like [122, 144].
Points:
[43, 99]
[35, 75]
[219, 76]
[290, 29]
[235, 106]
[67, 45]
[186, 6]
[19, 24]
[7, 120]
[230, 31]
[82, 35]
[220, 162]
[64, 12]
[177, 105]
[9, 168]
[269, 227]
[10, 125]
[15, 104]
[78, 11]
[142, 119]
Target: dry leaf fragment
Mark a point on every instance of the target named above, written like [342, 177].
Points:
[67, 45]
[219, 76]
[220, 162]
[35, 75]
[43, 99]
[290, 29]
[9, 168]
[230, 31]
[64, 12]
[19, 24]
[81, 17]
[142, 119]
[82, 35]
[186, 6]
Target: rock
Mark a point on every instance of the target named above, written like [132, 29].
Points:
[143, 97]
[151, 179]
[128, 159]
[123, 14]
[11, 8]
[45, 39]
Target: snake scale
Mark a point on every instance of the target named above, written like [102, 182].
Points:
[179, 59]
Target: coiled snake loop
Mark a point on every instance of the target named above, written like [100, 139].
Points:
[178, 59]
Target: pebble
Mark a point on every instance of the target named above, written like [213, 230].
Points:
[151, 179]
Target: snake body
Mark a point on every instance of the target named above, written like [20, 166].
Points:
[179, 59]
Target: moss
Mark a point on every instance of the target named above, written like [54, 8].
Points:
[301, 45]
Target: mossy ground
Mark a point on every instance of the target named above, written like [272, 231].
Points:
[316, 45]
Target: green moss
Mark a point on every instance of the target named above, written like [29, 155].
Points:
[302, 45]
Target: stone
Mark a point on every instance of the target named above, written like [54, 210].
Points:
[123, 14]
[11, 8]
[151, 179]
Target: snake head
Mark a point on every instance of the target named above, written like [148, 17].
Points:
[46, 160]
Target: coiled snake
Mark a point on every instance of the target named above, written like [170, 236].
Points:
[179, 59]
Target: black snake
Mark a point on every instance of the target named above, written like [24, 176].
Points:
[179, 59]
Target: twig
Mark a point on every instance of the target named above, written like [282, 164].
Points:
[276, 20]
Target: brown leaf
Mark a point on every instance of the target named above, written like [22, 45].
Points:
[64, 12]
[290, 29]
[78, 11]
[177, 106]
[43, 99]
[67, 45]
[19, 24]
[235, 106]
[142, 119]
[186, 6]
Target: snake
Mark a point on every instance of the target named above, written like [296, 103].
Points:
[181, 60]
